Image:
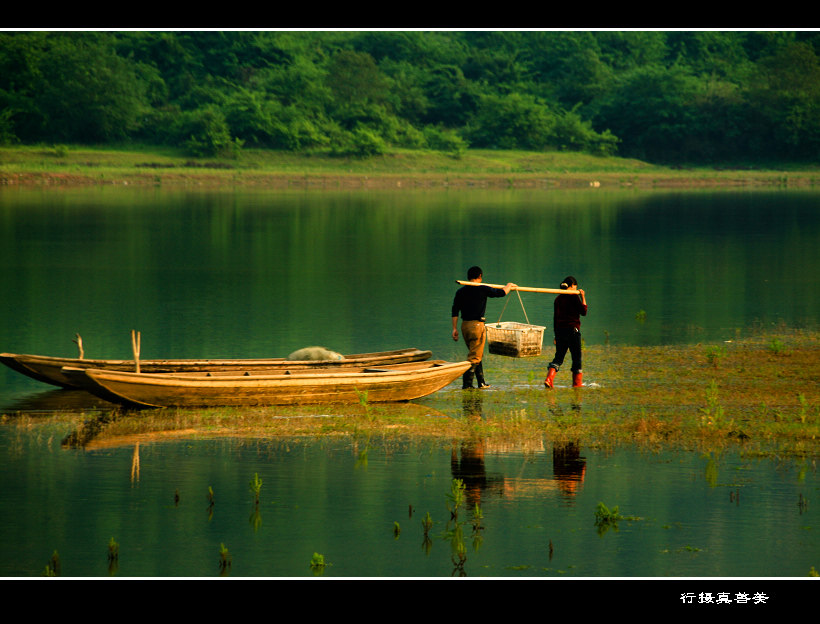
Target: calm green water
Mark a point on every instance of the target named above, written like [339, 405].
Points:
[261, 274]
[690, 515]
[253, 274]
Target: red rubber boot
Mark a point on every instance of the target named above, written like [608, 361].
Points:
[577, 379]
[550, 377]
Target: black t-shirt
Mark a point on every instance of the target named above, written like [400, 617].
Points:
[471, 301]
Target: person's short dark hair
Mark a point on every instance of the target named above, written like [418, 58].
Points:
[474, 272]
[569, 282]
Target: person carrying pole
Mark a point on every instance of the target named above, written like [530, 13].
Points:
[471, 302]
[569, 308]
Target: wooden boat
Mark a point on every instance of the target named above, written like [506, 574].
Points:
[49, 369]
[394, 382]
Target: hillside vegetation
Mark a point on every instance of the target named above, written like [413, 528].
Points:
[662, 97]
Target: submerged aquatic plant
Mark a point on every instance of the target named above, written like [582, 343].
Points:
[255, 519]
[606, 518]
[361, 460]
[427, 523]
[804, 408]
[802, 503]
[776, 346]
[224, 558]
[369, 412]
[362, 397]
[459, 558]
[713, 412]
[714, 354]
[478, 516]
[604, 515]
[53, 565]
[456, 496]
[113, 550]
[318, 563]
[478, 538]
[256, 487]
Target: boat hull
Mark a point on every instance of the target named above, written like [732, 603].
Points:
[397, 382]
[48, 369]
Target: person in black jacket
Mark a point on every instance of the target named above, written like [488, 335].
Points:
[471, 302]
[567, 326]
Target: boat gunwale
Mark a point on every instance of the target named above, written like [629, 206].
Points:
[229, 378]
[347, 359]
[48, 369]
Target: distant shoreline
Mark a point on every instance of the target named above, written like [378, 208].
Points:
[278, 181]
[61, 167]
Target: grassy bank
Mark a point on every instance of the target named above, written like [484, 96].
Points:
[49, 166]
[758, 395]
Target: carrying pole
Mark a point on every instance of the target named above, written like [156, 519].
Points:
[555, 291]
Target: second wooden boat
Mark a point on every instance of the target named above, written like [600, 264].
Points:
[48, 369]
[396, 382]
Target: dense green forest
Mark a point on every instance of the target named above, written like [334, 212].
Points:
[662, 96]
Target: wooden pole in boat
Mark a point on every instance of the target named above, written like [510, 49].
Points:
[135, 345]
[79, 342]
[555, 291]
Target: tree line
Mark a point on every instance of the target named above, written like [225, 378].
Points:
[662, 96]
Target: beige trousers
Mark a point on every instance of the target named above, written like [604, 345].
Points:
[475, 335]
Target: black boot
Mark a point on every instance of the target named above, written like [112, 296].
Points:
[467, 379]
[479, 376]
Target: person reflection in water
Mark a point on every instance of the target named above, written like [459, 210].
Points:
[469, 467]
[568, 467]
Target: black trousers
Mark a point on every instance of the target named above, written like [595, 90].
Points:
[567, 339]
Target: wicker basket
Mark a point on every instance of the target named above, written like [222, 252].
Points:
[515, 339]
